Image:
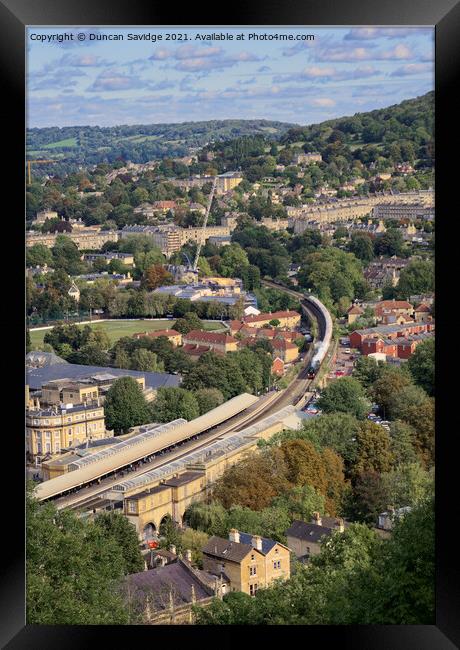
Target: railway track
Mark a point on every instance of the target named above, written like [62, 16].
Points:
[86, 495]
[295, 393]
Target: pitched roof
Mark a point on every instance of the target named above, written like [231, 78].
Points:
[227, 550]
[392, 304]
[355, 309]
[281, 344]
[308, 532]
[175, 579]
[423, 308]
[271, 316]
[267, 544]
[209, 337]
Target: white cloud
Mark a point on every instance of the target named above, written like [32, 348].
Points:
[323, 101]
[412, 68]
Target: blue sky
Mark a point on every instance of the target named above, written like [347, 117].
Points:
[343, 71]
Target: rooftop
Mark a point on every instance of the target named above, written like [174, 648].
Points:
[39, 375]
[271, 316]
[308, 532]
[209, 337]
[174, 582]
[183, 479]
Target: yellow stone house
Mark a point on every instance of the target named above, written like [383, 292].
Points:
[246, 562]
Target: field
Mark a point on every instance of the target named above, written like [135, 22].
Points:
[68, 142]
[117, 329]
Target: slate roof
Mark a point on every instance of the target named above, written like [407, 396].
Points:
[173, 578]
[227, 550]
[36, 377]
[308, 532]
[267, 544]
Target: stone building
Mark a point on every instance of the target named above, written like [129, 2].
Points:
[246, 562]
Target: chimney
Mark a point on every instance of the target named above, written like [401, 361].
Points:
[256, 542]
[234, 535]
[172, 549]
[317, 519]
[188, 556]
[339, 525]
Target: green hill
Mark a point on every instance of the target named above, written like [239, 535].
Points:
[86, 145]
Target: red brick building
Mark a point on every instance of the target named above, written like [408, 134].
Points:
[278, 367]
[389, 332]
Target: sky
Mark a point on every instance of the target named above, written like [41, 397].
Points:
[342, 71]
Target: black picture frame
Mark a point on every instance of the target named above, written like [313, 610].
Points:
[15, 15]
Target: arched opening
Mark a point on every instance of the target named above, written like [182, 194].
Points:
[165, 525]
[149, 532]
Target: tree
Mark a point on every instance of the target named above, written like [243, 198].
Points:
[208, 398]
[407, 484]
[173, 403]
[421, 366]
[125, 406]
[233, 260]
[90, 354]
[300, 502]
[389, 243]
[400, 589]
[188, 323]
[64, 334]
[367, 370]
[373, 449]
[390, 382]
[142, 359]
[402, 442]
[416, 278]
[73, 569]
[334, 430]
[368, 498]
[208, 517]
[253, 482]
[66, 256]
[155, 276]
[38, 255]
[118, 527]
[362, 246]
[194, 541]
[304, 465]
[405, 400]
[345, 395]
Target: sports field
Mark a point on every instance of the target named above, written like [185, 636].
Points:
[116, 329]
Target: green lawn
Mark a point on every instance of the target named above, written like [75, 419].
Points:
[117, 329]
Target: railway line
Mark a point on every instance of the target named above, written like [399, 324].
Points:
[159, 445]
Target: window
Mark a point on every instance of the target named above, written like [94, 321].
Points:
[252, 570]
[252, 557]
[48, 434]
[131, 506]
